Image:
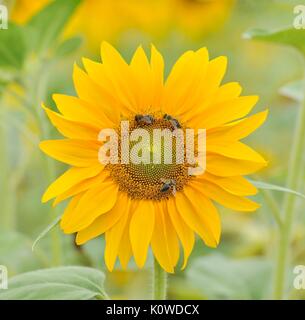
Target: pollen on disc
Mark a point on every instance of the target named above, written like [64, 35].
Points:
[145, 181]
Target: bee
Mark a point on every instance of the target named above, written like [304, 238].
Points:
[167, 185]
[174, 122]
[144, 119]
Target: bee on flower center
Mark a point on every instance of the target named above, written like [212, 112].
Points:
[142, 181]
[168, 184]
[174, 122]
[144, 119]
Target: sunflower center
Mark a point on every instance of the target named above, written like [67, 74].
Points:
[166, 171]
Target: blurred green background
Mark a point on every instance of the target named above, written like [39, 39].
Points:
[36, 60]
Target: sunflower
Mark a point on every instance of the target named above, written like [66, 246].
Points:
[127, 202]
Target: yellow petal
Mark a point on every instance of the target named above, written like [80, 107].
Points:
[199, 214]
[69, 179]
[141, 229]
[125, 251]
[210, 85]
[194, 88]
[238, 186]
[238, 129]
[185, 234]
[92, 204]
[175, 83]
[101, 75]
[164, 241]
[207, 210]
[84, 185]
[110, 56]
[215, 73]
[90, 91]
[105, 221]
[235, 150]
[115, 233]
[227, 92]
[222, 94]
[172, 236]
[224, 112]
[141, 71]
[70, 208]
[78, 153]
[72, 129]
[120, 75]
[226, 199]
[75, 109]
[226, 167]
[96, 71]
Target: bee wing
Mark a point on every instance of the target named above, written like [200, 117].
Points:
[174, 190]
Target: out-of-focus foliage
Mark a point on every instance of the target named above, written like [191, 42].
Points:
[44, 29]
[16, 253]
[37, 53]
[290, 36]
[219, 277]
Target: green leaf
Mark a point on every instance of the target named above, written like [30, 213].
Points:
[219, 277]
[294, 90]
[69, 46]
[12, 47]
[50, 22]
[63, 283]
[52, 225]
[268, 186]
[289, 36]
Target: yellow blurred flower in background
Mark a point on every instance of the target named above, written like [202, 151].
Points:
[25, 9]
[108, 20]
[198, 17]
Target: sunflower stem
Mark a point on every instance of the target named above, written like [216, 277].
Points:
[289, 204]
[159, 282]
